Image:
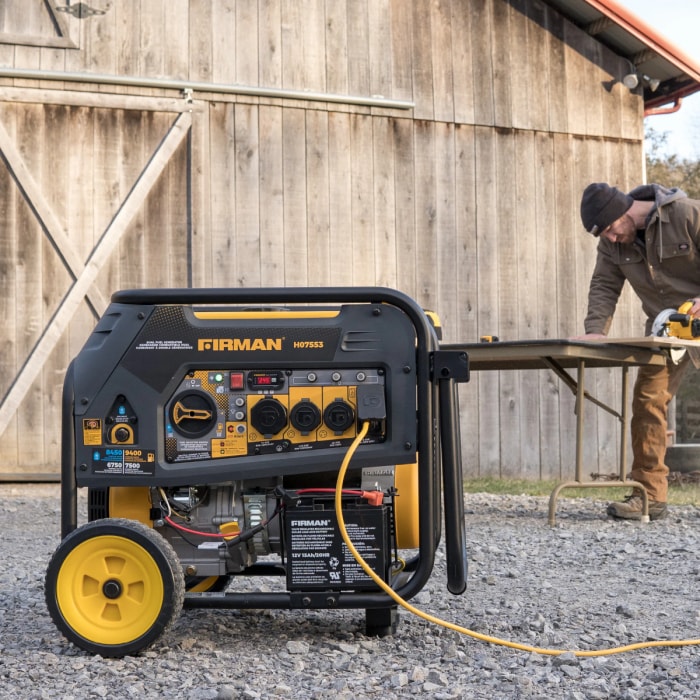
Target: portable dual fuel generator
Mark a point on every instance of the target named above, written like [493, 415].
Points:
[209, 425]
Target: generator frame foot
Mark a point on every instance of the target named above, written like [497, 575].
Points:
[381, 622]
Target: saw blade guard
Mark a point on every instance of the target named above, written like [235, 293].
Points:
[660, 327]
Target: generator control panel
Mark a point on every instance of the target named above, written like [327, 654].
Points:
[229, 413]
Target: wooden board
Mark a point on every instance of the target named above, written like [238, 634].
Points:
[442, 60]
[246, 198]
[534, 354]
[295, 249]
[403, 148]
[340, 198]
[422, 64]
[426, 214]
[446, 258]
[272, 264]
[649, 341]
[462, 62]
[384, 199]
[318, 224]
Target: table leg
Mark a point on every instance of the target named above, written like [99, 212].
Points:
[580, 409]
[624, 422]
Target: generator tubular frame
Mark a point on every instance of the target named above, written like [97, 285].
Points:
[438, 445]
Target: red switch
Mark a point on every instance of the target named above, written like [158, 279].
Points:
[236, 380]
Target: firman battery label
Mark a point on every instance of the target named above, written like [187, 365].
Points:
[318, 557]
[124, 462]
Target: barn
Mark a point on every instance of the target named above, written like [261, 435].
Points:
[435, 146]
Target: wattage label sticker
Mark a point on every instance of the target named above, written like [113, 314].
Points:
[124, 462]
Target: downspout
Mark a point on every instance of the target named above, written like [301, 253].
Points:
[657, 111]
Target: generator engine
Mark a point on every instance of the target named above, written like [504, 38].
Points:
[208, 427]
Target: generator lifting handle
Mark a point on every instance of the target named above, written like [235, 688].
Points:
[448, 369]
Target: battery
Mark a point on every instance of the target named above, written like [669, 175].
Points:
[319, 559]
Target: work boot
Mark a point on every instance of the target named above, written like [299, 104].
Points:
[631, 508]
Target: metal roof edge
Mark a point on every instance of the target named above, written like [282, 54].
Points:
[648, 35]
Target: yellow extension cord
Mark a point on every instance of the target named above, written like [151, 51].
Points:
[449, 625]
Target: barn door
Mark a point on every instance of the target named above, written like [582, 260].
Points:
[92, 199]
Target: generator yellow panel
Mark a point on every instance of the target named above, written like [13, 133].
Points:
[131, 502]
[305, 414]
[339, 411]
[235, 444]
[406, 513]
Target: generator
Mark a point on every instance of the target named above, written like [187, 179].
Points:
[208, 427]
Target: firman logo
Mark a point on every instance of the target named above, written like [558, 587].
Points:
[310, 523]
[239, 344]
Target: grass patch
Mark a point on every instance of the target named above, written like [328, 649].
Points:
[681, 494]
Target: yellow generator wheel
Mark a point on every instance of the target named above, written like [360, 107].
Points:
[114, 586]
[134, 503]
[406, 483]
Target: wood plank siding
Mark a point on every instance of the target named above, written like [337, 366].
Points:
[302, 165]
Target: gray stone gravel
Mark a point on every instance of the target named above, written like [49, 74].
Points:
[588, 583]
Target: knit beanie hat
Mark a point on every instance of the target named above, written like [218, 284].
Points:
[601, 205]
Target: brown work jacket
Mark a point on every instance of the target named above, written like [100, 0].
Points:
[664, 270]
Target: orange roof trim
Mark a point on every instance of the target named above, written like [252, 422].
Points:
[646, 34]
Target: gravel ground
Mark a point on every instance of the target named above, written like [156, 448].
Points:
[588, 583]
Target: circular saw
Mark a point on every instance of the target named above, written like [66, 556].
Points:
[677, 323]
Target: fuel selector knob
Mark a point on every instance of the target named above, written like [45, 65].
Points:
[193, 414]
[121, 434]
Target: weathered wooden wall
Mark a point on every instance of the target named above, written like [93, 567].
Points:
[468, 202]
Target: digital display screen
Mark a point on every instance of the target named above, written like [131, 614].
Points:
[273, 379]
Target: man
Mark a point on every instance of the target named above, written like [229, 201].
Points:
[651, 238]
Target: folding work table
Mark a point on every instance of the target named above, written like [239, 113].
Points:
[560, 356]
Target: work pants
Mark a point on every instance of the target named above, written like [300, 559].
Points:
[653, 391]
